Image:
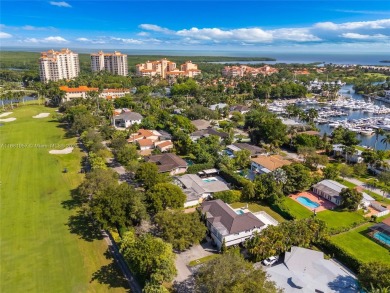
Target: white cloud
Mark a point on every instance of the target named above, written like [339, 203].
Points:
[356, 36]
[155, 28]
[294, 34]
[36, 28]
[4, 35]
[60, 4]
[143, 34]
[127, 41]
[374, 24]
[255, 35]
[83, 40]
[51, 39]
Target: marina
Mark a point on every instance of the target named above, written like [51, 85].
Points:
[351, 111]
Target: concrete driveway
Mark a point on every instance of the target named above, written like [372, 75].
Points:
[184, 258]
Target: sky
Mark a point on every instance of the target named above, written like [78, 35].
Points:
[279, 26]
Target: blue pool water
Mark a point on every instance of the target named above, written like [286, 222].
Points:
[307, 202]
[209, 180]
[239, 212]
[382, 237]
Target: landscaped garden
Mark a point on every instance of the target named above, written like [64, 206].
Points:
[357, 243]
[46, 245]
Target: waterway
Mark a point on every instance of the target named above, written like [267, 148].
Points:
[365, 140]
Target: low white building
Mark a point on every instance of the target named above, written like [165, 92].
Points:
[330, 190]
[267, 164]
[356, 157]
[198, 189]
[226, 224]
[126, 119]
[305, 270]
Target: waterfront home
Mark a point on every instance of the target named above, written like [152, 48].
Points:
[227, 225]
[267, 164]
[306, 270]
[339, 150]
[239, 108]
[169, 163]
[198, 189]
[126, 119]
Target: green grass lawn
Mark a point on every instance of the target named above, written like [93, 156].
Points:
[296, 209]
[46, 246]
[256, 207]
[203, 260]
[361, 246]
[338, 219]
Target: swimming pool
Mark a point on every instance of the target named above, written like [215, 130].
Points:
[382, 237]
[239, 212]
[307, 202]
[211, 179]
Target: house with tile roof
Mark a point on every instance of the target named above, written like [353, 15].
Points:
[226, 224]
[267, 164]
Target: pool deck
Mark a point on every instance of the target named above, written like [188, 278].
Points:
[324, 204]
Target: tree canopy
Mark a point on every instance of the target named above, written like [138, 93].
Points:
[165, 195]
[180, 229]
[231, 273]
[350, 198]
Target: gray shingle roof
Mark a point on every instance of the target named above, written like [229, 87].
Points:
[222, 217]
[167, 162]
[129, 116]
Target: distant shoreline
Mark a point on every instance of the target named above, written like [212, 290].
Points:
[384, 61]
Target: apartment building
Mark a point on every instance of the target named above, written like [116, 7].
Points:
[57, 65]
[82, 92]
[166, 69]
[116, 62]
[244, 70]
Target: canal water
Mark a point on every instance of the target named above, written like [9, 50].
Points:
[365, 140]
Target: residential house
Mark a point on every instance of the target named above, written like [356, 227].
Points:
[239, 146]
[240, 108]
[163, 146]
[206, 133]
[267, 164]
[330, 190]
[169, 163]
[218, 106]
[198, 189]
[306, 270]
[201, 124]
[126, 119]
[339, 150]
[227, 225]
[151, 139]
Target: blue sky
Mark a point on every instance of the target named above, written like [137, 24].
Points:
[323, 26]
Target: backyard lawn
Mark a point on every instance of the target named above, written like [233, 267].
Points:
[46, 245]
[338, 219]
[256, 207]
[361, 246]
[296, 209]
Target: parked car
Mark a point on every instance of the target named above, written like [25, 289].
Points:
[270, 261]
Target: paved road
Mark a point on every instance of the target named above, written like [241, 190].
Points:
[134, 286]
[366, 186]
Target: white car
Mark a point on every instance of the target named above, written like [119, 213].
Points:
[270, 261]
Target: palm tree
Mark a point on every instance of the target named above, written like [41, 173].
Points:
[386, 139]
[312, 114]
[378, 132]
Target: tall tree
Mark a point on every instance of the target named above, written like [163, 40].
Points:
[350, 198]
[231, 273]
[148, 174]
[378, 132]
[180, 229]
[150, 258]
[165, 195]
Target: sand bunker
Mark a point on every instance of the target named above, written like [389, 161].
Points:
[42, 115]
[61, 152]
[7, 119]
[5, 114]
